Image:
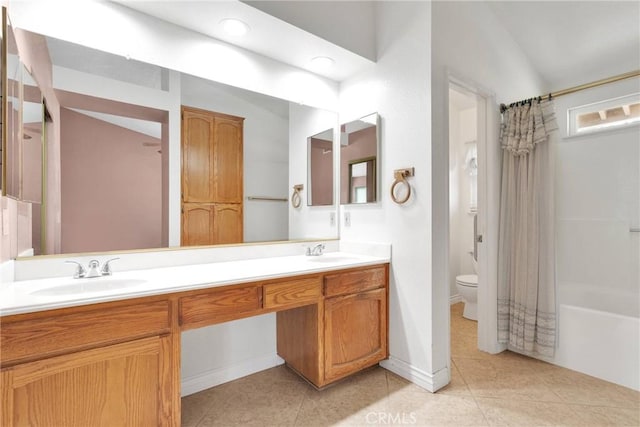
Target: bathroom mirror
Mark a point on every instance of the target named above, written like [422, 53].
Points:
[320, 168]
[89, 150]
[359, 160]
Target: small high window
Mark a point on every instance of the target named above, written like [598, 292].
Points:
[604, 115]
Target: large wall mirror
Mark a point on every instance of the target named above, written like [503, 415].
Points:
[359, 160]
[115, 150]
[320, 168]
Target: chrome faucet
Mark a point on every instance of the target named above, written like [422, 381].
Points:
[315, 250]
[94, 269]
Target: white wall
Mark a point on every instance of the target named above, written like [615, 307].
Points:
[398, 89]
[470, 44]
[309, 222]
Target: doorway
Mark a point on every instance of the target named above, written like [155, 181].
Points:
[463, 198]
[474, 184]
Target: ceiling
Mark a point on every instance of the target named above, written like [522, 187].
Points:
[268, 35]
[568, 42]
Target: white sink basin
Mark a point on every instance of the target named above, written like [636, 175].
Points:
[85, 286]
[328, 258]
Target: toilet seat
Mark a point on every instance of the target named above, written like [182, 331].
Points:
[470, 280]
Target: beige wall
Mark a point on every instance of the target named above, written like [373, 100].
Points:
[321, 153]
[111, 186]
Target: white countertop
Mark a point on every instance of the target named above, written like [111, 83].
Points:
[23, 297]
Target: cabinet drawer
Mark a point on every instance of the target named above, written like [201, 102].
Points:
[295, 292]
[219, 306]
[64, 333]
[354, 281]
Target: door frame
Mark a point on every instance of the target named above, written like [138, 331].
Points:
[489, 173]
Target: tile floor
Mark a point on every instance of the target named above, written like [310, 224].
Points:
[486, 390]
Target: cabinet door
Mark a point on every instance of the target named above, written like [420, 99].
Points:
[227, 223]
[197, 155]
[227, 160]
[119, 385]
[355, 332]
[197, 224]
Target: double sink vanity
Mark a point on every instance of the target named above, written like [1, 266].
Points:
[106, 350]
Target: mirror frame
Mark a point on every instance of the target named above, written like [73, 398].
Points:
[4, 104]
[375, 118]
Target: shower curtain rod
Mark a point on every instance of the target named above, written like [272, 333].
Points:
[635, 73]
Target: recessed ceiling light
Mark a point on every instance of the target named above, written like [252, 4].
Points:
[322, 63]
[234, 27]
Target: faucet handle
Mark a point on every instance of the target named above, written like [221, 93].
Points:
[80, 271]
[106, 267]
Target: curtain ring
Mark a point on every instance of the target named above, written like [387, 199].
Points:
[296, 198]
[400, 176]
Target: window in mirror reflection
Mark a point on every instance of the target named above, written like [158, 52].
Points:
[359, 160]
[362, 179]
[321, 169]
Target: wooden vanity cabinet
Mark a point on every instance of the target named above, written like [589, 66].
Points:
[103, 365]
[355, 321]
[343, 333]
[118, 363]
[116, 385]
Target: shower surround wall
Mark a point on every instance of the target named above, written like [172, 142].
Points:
[598, 258]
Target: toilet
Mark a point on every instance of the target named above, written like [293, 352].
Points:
[467, 285]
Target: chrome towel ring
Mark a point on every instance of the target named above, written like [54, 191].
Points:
[400, 180]
[296, 198]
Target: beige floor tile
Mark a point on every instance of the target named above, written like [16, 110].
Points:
[607, 416]
[458, 386]
[575, 387]
[490, 379]
[505, 389]
[342, 404]
[271, 397]
[504, 412]
[436, 410]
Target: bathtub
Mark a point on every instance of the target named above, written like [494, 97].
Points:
[599, 333]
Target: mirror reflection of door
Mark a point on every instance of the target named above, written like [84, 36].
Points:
[362, 181]
[320, 149]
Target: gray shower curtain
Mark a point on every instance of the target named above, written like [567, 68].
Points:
[526, 257]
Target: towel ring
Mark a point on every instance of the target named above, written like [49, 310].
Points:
[400, 176]
[296, 198]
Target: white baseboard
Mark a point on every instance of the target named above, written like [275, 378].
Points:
[430, 382]
[225, 374]
[454, 299]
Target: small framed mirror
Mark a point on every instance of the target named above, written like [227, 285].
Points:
[359, 160]
[320, 167]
